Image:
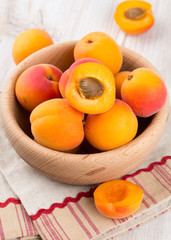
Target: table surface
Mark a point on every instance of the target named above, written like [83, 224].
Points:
[67, 20]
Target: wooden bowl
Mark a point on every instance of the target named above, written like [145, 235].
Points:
[69, 168]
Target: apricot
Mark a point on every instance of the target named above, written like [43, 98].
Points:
[56, 125]
[29, 42]
[102, 47]
[113, 128]
[134, 17]
[65, 76]
[119, 78]
[144, 91]
[91, 88]
[117, 198]
[38, 84]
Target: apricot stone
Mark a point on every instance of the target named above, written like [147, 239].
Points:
[102, 47]
[144, 91]
[56, 125]
[113, 128]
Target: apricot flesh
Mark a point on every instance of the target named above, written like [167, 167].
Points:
[117, 198]
[113, 128]
[56, 125]
[65, 76]
[144, 91]
[91, 88]
[100, 46]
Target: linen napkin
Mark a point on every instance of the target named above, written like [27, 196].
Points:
[32, 204]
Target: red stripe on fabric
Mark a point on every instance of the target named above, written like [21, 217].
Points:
[2, 236]
[145, 203]
[113, 221]
[30, 225]
[40, 230]
[145, 191]
[79, 220]
[22, 210]
[60, 226]
[9, 200]
[148, 169]
[48, 227]
[19, 221]
[168, 166]
[87, 218]
[160, 182]
[163, 174]
[55, 230]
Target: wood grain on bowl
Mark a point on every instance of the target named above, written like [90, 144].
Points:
[69, 168]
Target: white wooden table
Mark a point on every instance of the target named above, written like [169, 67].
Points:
[67, 20]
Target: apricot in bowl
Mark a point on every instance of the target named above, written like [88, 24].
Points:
[81, 168]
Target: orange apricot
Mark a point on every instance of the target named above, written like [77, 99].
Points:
[117, 198]
[38, 84]
[65, 76]
[119, 78]
[134, 17]
[113, 128]
[56, 125]
[102, 47]
[29, 42]
[144, 91]
[91, 88]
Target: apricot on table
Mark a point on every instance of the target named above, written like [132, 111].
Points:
[117, 198]
[102, 47]
[113, 128]
[134, 17]
[144, 91]
[38, 84]
[29, 42]
[56, 125]
[65, 76]
[91, 88]
[119, 78]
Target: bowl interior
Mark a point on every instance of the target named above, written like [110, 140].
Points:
[130, 62]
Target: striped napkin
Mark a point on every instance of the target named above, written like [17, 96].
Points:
[34, 206]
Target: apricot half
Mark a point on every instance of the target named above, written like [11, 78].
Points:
[113, 128]
[102, 47]
[91, 88]
[117, 198]
[56, 125]
[134, 17]
[144, 91]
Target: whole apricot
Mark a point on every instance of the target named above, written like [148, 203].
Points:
[91, 88]
[56, 125]
[102, 47]
[113, 128]
[119, 78]
[134, 17]
[65, 76]
[117, 198]
[144, 91]
[38, 84]
[29, 42]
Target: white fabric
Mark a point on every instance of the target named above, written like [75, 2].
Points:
[37, 191]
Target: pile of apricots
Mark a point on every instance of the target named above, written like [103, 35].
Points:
[91, 100]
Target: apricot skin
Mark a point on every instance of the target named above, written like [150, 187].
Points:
[117, 198]
[119, 79]
[102, 47]
[56, 125]
[145, 92]
[113, 128]
[65, 76]
[38, 84]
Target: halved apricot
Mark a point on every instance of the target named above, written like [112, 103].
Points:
[134, 17]
[91, 88]
[117, 198]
